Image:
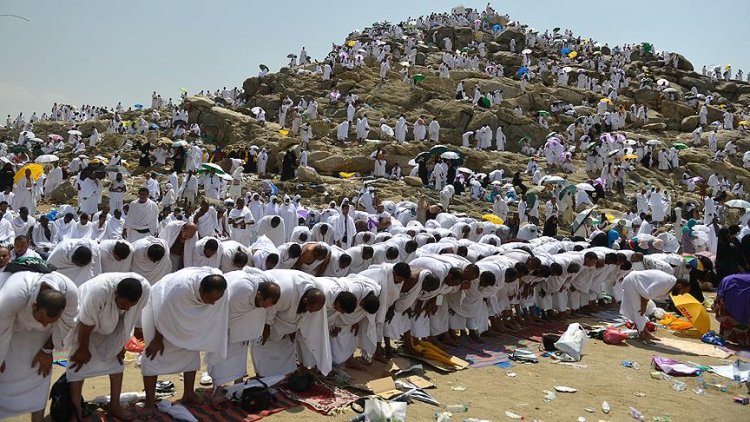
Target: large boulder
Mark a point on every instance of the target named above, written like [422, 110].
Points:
[684, 64]
[689, 123]
[308, 175]
[64, 193]
[703, 84]
[463, 37]
[511, 33]
[413, 181]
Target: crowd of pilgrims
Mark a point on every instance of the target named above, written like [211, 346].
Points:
[297, 288]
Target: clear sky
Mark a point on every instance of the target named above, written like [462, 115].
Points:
[101, 52]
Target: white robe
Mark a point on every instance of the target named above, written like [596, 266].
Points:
[245, 324]
[196, 257]
[109, 263]
[112, 327]
[22, 389]
[143, 265]
[170, 232]
[277, 234]
[60, 257]
[277, 357]
[229, 250]
[189, 325]
[141, 217]
[647, 284]
[53, 180]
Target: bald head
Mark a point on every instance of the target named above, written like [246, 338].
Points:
[188, 231]
[312, 301]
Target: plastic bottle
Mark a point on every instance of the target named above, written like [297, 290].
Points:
[605, 407]
[736, 373]
[457, 408]
[678, 386]
[636, 414]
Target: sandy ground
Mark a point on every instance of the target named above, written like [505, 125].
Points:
[490, 392]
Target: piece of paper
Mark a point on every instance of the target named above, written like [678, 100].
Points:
[685, 346]
[727, 371]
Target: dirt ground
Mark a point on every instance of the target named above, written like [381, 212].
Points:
[490, 392]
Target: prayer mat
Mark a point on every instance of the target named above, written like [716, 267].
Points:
[493, 350]
[535, 332]
[321, 398]
[689, 347]
[738, 352]
[204, 412]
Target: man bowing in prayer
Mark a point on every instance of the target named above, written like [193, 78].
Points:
[187, 313]
[36, 313]
[251, 293]
[109, 305]
[639, 287]
[296, 319]
[78, 259]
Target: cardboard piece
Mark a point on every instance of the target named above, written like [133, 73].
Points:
[378, 371]
[420, 382]
[383, 387]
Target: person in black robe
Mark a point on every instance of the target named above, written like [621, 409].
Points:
[145, 159]
[550, 227]
[422, 172]
[6, 177]
[451, 172]
[288, 165]
[179, 159]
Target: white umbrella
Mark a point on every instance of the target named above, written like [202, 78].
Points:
[413, 162]
[39, 140]
[464, 170]
[630, 142]
[497, 182]
[738, 203]
[450, 155]
[551, 180]
[526, 51]
[653, 142]
[28, 134]
[662, 82]
[613, 152]
[405, 64]
[567, 69]
[75, 132]
[179, 144]
[47, 158]
[256, 110]
[585, 186]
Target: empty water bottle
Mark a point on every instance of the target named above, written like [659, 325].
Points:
[457, 408]
[678, 386]
[736, 373]
[636, 414]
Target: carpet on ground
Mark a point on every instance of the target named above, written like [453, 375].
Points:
[322, 398]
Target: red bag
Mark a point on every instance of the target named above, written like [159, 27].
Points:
[613, 335]
[134, 345]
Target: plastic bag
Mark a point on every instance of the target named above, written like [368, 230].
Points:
[712, 338]
[134, 345]
[671, 366]
[572, 341]
[384, 411]
[613, 335]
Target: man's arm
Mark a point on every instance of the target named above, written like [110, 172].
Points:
[82, 356]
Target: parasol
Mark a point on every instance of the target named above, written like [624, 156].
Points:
[438, 149]
[653, 142]
[585, 186]
[450, 155]
[211, 166]
[75, 132]
[492, 218]
[680, 146]
[47, 158]
[37, 170]
[580, 218]
[694, 311]
[738, 203]
[179, 143]
[570, 189]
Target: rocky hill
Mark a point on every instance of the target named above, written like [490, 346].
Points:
[670, 120]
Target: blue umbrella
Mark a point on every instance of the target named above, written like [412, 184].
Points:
[497, 27]
[565, 50]
[153, 126]
[137, 106]
[522, 71]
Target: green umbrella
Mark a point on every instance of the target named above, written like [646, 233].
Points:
[571, 189]
[647, 47]
[484, 102]
[543, 113]
[18, 149]
[211, 166]
[418, 77]
[438, 149]
[680, 146]
[530, 199]
[524, 140]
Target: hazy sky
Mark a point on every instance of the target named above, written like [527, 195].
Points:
[101, 52]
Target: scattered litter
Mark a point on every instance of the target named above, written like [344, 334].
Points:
[574, 365]
[741, 400]
[605, 407]
[476, 420]
[523, 355]
[662, 419]
[457, 408]
[458, 388]
[631, 364]
[699, 391]
[443, 416]
[590, 409]
[671, 366]
[679, 386]
[564, 389]
[639, 394]
[581, 419]
[512, 415]
[549, 395]
[636, 414]
[511, 374]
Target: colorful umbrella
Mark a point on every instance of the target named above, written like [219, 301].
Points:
[580, 218]
[211, 166]
[284, 132]
[351, 43]
[573, 54]
[694, 262]
[492, 218]
[418, 77]
[438, 149]
[497, 27]
[55, 137]
[47, 158]
[606, 100]
[680, 146]
[37, 170]
[138, 106]
[630, 157]
[565, 50]
[570, 189]
[543, 113]
[522, 71]
[484, 102]
[694, 311]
